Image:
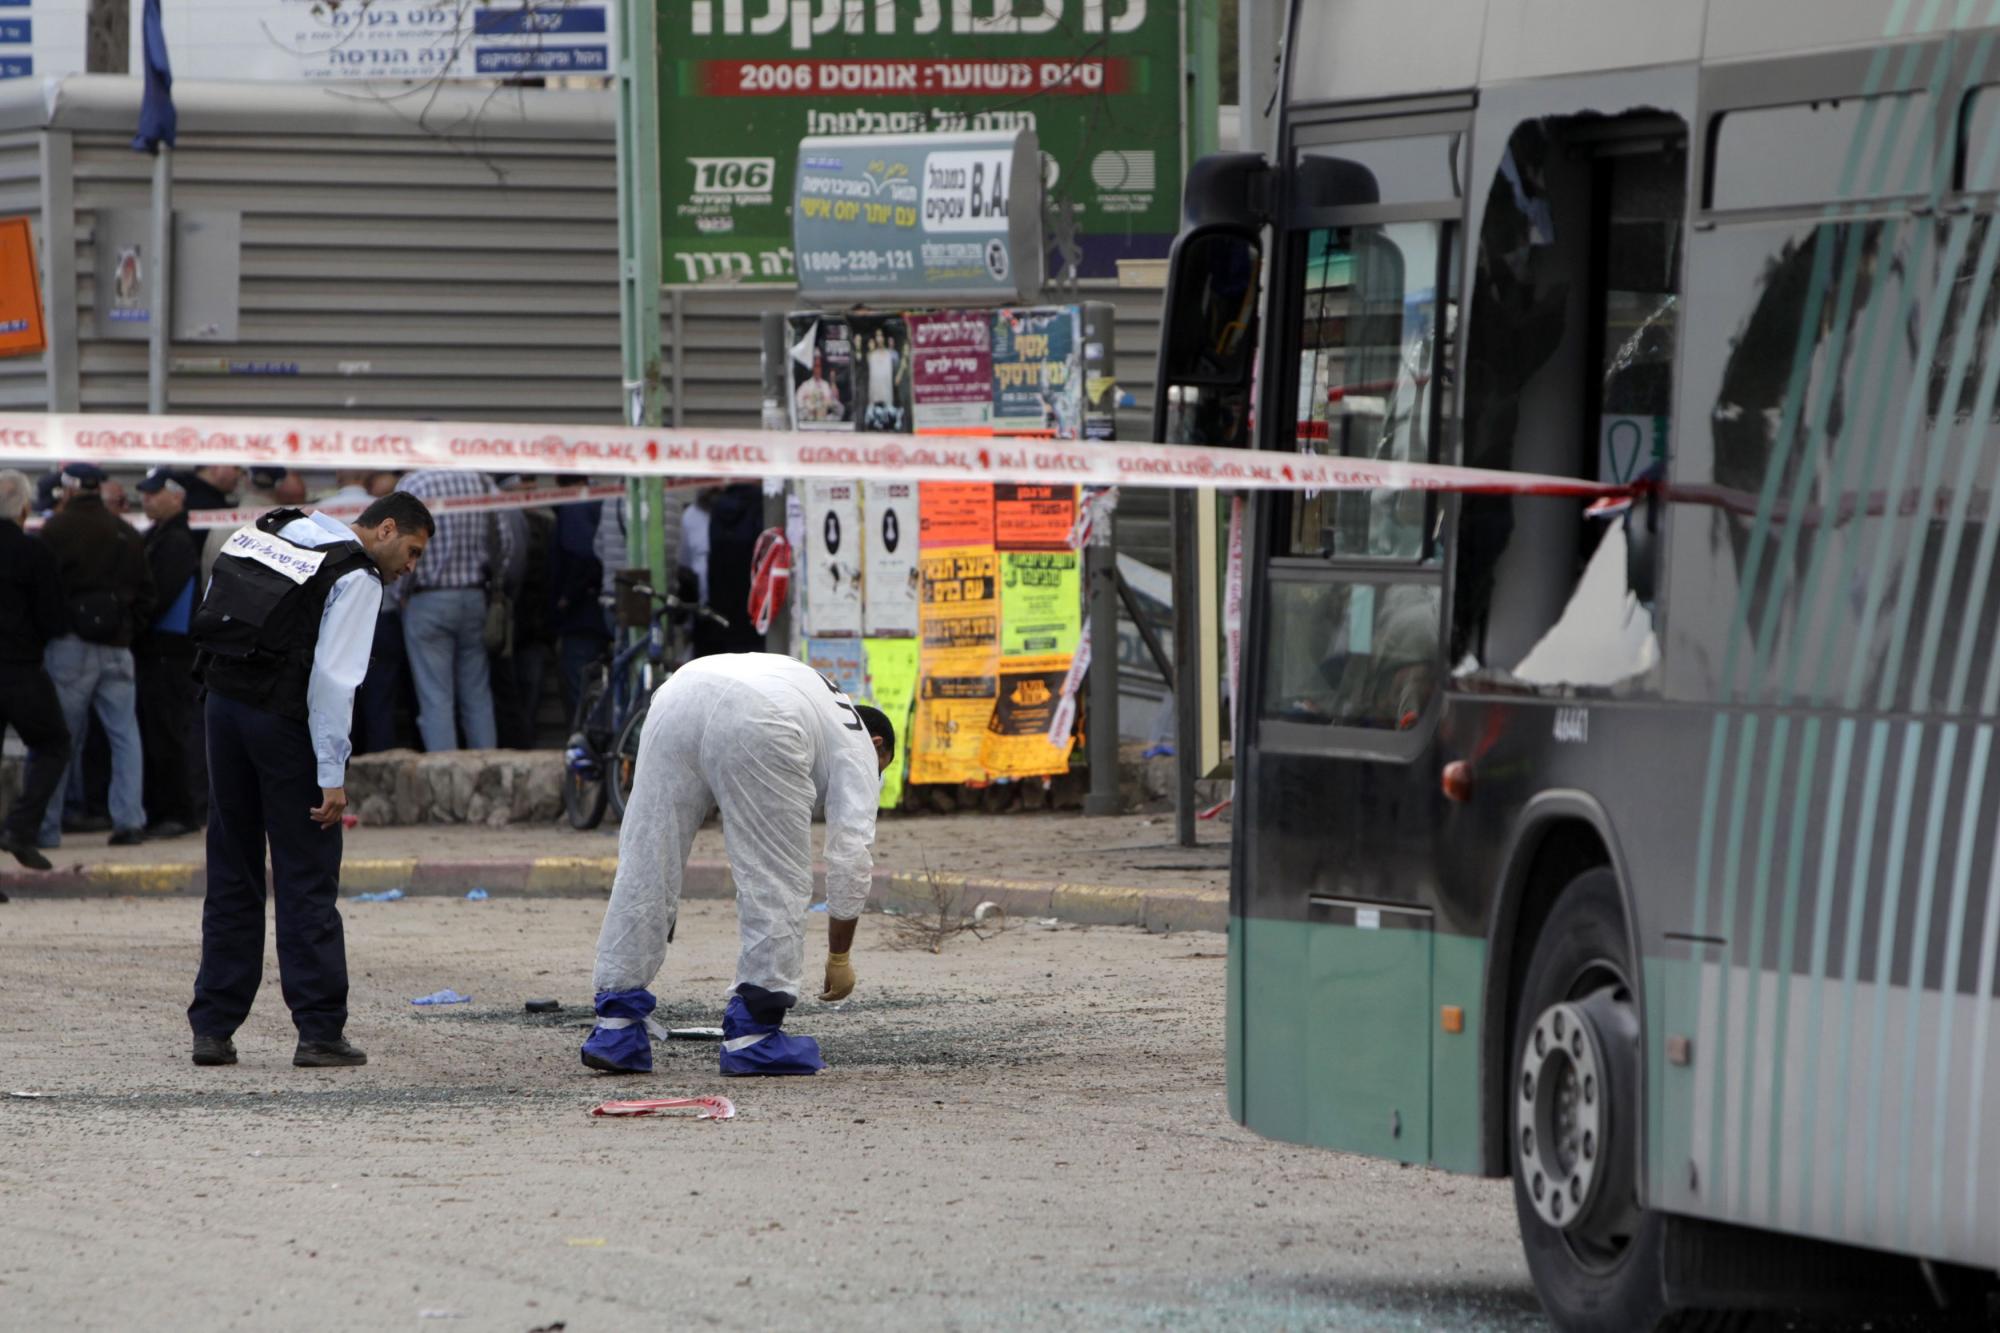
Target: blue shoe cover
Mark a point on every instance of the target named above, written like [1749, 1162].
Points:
[619, 1044]
[751, 1047]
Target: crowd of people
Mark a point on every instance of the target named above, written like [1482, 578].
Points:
[97, 667]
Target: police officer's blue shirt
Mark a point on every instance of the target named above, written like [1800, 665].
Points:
[346, 634]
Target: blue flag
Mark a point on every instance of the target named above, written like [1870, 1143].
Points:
[156, 113]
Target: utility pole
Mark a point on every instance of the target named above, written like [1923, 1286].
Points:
[639, 267]
[1194, 511]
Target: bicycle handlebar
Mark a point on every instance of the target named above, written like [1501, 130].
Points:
[668, 601]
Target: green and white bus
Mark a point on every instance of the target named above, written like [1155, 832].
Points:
[1648, 857]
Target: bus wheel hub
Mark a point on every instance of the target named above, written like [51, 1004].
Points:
[1563, 1115]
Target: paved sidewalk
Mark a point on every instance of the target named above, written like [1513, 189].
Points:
[1122, 870]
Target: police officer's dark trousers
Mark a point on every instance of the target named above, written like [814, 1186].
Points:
[262, 782]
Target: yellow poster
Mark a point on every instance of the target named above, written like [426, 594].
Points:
[1016, 744]
[958, 615]
[892, 687]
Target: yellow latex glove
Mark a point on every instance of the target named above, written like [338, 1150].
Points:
[839, 978]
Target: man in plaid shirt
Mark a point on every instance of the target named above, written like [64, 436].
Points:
[444, 612]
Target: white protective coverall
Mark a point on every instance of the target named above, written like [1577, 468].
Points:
[767, 739]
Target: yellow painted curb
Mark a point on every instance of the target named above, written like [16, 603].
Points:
[1096, 903]
[368, 875]
[139, 879]
[571, 872]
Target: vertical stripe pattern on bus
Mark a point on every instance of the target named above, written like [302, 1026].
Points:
[1851, 1054]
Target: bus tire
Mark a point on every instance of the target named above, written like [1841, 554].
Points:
[1597, 1257]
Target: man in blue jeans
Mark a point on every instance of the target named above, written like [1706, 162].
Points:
[444, 612]
[107, 586]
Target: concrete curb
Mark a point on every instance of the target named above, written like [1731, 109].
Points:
[1157, 910]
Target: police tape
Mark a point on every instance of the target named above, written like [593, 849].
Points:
[728, 455]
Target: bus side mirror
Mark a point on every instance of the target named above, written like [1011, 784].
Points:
[1642, 546]
[1208, 338]
[1208, 343]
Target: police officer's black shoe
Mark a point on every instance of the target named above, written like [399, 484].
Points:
[328, 1054]
[214, 1050]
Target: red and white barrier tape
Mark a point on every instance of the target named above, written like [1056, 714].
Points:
[725, 454]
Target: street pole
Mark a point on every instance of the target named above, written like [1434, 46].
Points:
[639, 266]
[160, 283]
[1191, 573]
[1100, 563]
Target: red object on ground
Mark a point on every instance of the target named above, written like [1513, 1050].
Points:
[711, 1108]
[770, 577]
[350, 821]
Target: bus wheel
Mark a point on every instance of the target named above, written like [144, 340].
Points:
[1597, 1257]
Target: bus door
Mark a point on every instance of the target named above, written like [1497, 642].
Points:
[1343, 663]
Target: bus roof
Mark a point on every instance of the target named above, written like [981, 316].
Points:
[1360, 50]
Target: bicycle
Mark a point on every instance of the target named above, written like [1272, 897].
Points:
[602, 756]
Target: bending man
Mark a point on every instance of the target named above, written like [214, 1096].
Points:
[765, 738]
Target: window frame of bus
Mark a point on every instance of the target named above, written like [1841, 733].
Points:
[1271, 513]
[1767, 85]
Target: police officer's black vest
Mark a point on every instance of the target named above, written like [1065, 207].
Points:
[258, 628]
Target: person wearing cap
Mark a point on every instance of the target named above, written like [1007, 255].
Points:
[107, 588]
[31, 613]
[164, 656]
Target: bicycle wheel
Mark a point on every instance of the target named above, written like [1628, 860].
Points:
[583, 784]
[623, 758]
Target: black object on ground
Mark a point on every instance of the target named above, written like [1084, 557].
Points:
[544, 1006]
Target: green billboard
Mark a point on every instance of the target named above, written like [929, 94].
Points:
[742, 81]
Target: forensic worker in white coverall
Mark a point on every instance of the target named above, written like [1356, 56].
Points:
[767, 740]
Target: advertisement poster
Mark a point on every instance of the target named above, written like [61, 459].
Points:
[1037, 375]
[930, 219]
[882, 372]
[842, 661]
[892, 676]
[1016, 744]
[956, 513]
[1041, 603]
[742, 84]
[21, 329]
[959, 608]
[287, 41]
[822, 367]
[952, 378]
[889, 570]
[833, 557]
[1033, 518]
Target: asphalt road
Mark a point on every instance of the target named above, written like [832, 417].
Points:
[1027, 1131]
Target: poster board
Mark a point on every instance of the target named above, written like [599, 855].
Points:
[959, 610]
[889, 570]
[833, 556]
[820, 359]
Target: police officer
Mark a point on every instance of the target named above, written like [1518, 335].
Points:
[283, 637]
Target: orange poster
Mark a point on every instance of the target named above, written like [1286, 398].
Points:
[1033, 518]
[955, 513]
[20, 291]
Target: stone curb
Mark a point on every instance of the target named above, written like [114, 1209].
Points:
[1157, 910]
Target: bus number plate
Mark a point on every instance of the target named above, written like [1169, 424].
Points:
[1573, 725]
